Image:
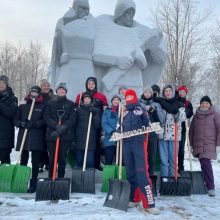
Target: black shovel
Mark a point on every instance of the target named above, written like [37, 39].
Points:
[175, 186]
[83, 180]
[55, 188]
[119, 190]
[197, 180]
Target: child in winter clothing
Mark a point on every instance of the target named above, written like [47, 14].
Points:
[8, 108]
[204, 136]
[182, 90]
[65, 131]
[35, 137]
[83, 113]
[109, 122]
[135, 154]
[156, 115]
[174, 112]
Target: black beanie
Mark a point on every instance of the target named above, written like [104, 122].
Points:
[4, 79]
[155, 88]
[35, 89]
[86, 94]
[206, 99]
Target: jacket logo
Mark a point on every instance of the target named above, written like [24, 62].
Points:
[138, 111]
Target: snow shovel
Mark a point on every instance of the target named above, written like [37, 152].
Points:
[112, 171]
[119, 190]
[83, 180]
[197, 180]
[175, 186]
[14, 178]
[55, 188]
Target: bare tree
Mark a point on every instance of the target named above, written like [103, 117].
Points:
[182, 24]
[24, 65]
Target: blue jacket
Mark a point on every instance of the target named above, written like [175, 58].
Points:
[135, 117]
[109, 122]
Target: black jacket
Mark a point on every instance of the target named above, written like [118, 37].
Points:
[8, 108]
[35, 135]
[82, 127]
[69, 119]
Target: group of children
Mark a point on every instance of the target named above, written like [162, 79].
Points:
[55, 116]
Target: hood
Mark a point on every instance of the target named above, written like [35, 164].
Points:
[39, 99]
[173, 89]
[95, 81]
[202, 114]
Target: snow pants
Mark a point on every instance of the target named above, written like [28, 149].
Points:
[135, 159]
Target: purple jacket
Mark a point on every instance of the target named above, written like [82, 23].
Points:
[204, 133]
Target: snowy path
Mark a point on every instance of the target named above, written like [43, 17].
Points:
[90, 207]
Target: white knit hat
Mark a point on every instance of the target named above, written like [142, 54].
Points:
[122, 6]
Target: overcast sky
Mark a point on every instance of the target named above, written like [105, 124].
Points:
[24, 20]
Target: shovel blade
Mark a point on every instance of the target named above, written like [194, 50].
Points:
[21, 179]
[6, 176]
[197, 182]
[61, 189]
[83, 181]
[44, 189]
[119, 195]
[171, 187]
[109, 172]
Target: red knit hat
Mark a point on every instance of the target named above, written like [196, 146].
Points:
[131, 92]
[182, 88]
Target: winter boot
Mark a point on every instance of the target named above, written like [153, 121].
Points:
[32, 186]
[211, 193]
[154, 211]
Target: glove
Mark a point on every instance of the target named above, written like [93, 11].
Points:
[54, 135]
[92, 109]
[60, 129]
[25, 124]
[218, 152]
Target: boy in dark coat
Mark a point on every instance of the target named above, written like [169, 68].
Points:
[135, 154]
[8, 108]
[83, 113]
[65, 130]
[182, 90]
[35, 137]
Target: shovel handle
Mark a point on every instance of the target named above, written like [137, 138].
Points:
[175, 150]
[55, 158]
[117, 145]
[121, 146]
[25, 131]
[188, 145]
[87, 142]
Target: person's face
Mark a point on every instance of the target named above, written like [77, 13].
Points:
[147, 95]
[127, 18]
[87, 100]
[3, 86]
[91, 85]
[205, 106]
[115, 102]
[122, 92]
[82, 12]
[34, 94]
[182, 93]
[168, 93]
[129, 98]
[61, 92]
[45, 88]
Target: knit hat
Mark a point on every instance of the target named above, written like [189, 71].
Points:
[42, 82]
[122, 6]
[131, 92]
[61, 85]
[155, 88]
[148, 89]
[122, 87]
[115, 96]
[206, 99]
[86, 94]
[4, 79]
[34, 89]
[182, 88]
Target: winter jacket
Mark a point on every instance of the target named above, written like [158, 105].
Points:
[134, 117]
[68, 120]
[82, 127]
[109, 122]
[8, 108]
[158, 114]
[204, 133]
[35, 135]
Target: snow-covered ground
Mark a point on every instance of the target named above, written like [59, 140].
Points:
[86, 206]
